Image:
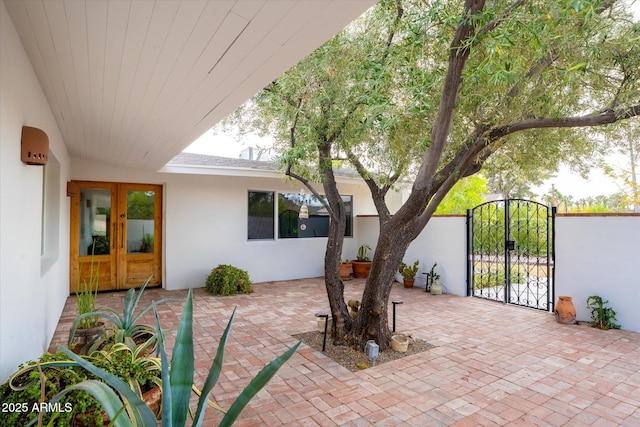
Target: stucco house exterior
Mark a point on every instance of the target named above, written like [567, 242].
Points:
[120, 88]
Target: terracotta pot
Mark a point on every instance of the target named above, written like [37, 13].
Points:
[408, 283]
[565, 311]
[345, 271]
[83, 336]
[153, 399]
[361, 269]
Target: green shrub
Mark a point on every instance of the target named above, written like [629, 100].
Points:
[24, 387]
[228, 280]
[57, 378]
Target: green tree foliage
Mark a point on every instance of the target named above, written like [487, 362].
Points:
[428, 91]
[626, 140]
[140, 204]
[466, 194]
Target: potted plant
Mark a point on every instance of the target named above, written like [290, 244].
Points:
[119, 399]
[147, 243]
[409, 273]
[362, 264]
[434, 278]
[27, 386]
[125, 328]
[88, 326]
[345, 269]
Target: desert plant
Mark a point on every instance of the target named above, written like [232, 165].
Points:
[126, 328]
[603, 317]
[409, 272]
[41, 380]
[433, 274]
[27, 388]
[228, 280]
[177, 382]
[362, 253]
[87, 292]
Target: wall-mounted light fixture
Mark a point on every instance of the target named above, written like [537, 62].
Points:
[304, 209]
[304, 212]
[35, 146]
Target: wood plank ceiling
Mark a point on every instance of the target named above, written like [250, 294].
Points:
[133, 82]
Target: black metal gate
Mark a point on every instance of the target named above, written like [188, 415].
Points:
[511, 252]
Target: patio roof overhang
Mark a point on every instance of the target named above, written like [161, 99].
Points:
[133, 82]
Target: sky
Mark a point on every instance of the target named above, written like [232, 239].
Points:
[565, 181]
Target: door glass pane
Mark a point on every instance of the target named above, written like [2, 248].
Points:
[95, 221]
[140, 223]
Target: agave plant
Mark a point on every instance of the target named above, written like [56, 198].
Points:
[125, 329]
[177, 382]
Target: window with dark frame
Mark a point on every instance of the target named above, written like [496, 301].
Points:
[261, 215]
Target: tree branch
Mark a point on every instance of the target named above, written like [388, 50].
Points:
[490, 26]
[376, 192]
[482, 144]
[458, 55]
[303, 180]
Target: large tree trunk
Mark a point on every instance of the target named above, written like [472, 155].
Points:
[372, 320]
[335, 287]
[397, 232]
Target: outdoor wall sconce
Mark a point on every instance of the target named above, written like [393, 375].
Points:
[35, 146]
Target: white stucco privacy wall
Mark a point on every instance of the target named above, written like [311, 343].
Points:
[443, 241]
[33, 261]
[600, 255]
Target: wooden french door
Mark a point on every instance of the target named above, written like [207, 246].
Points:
[120, 224]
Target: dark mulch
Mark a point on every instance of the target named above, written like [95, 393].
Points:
[350, 358]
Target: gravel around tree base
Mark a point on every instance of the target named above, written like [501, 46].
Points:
[355, 360]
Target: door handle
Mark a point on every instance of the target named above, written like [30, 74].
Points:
[113, 236]
[121, 235]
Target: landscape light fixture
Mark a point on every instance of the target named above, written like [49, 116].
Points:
[371, 349]
[326, 322]
[394, 312]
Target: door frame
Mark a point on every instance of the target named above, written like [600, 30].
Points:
[115, 264]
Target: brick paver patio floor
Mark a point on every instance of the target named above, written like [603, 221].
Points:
[493, 364]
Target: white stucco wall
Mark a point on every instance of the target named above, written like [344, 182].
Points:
[600, 255]
[205, 224]
[443, 241]
[33, 286]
